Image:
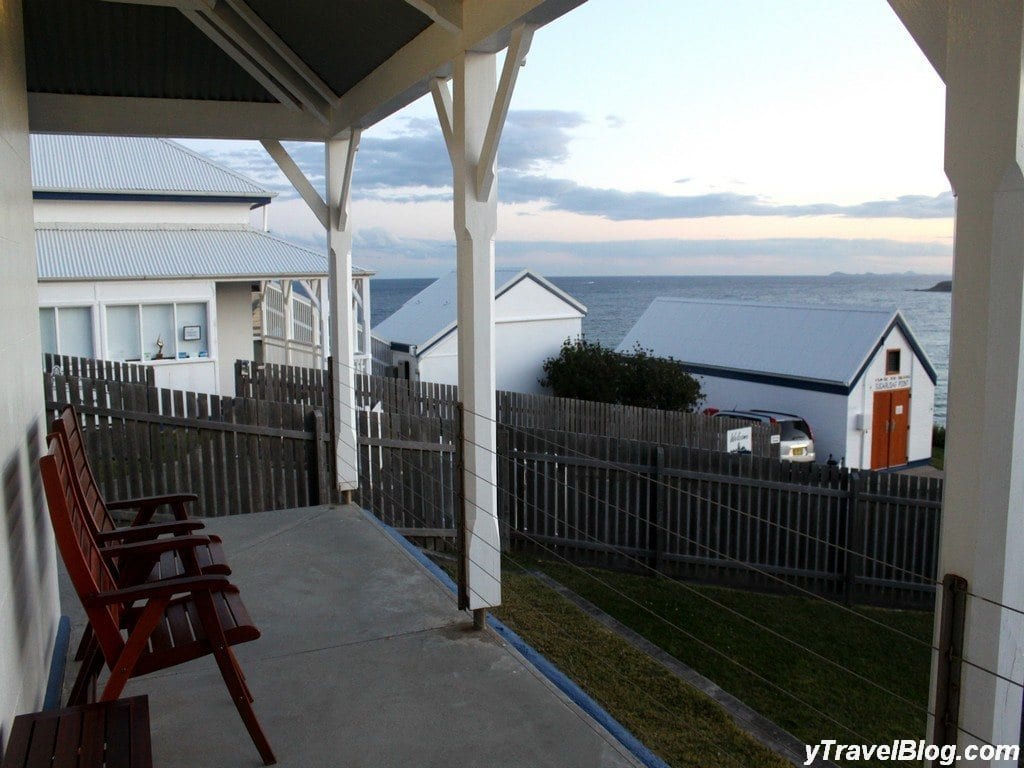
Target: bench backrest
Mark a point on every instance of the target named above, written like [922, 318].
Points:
[69, 430]
[85, 564]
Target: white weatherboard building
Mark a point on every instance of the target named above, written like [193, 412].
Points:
[146, 253]
[858, 376]
[532, 318]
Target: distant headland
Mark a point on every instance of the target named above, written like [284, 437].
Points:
[943, 286]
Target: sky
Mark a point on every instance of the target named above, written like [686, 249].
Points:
[672, 137]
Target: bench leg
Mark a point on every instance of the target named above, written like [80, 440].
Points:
[85, 682]
[239, 691]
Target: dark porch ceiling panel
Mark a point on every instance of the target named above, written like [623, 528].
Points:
[342, 40]
[95, 48]
[279, 69]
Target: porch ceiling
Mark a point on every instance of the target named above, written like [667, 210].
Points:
[307, 69]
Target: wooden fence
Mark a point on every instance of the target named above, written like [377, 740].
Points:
[237, 454]
[721, 518]
[514, 409]
[595, 499]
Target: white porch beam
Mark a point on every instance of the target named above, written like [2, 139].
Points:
[259, 52]
[443, 104]
[982, 532]
[407, 75]
[184, 118]
[298, 180]
[254, 46]
[927, 22]
[518, 47]
[446, 13]
[340, 156]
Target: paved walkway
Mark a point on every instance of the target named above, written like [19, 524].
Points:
[364, 661]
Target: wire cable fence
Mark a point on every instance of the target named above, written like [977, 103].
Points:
[570, 469]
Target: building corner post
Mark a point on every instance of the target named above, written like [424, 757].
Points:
[982, 532]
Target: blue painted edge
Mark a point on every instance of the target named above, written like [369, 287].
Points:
[545, 667]
[55, 682]
[908, 465]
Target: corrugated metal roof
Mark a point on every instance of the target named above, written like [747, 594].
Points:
[133, 165]
[822, 344]
[133, 253]
[431, 313]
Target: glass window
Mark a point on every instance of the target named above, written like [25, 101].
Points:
[74, 325]
[892, 361]
[123, 334]
[158, 331]
[48, 329]
[193, 335]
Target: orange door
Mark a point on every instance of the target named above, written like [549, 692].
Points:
[890, 425]
[880, 430]
[899, 420]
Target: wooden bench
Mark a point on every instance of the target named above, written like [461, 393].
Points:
[147, 626]
[114, 734]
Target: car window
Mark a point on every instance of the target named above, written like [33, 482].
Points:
[795, 430]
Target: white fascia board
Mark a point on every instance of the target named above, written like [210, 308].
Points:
[181, 118]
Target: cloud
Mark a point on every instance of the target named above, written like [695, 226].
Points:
[614, 121]
[620, 205]
[412, 166]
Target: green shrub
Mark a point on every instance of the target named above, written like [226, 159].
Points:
[589, 371]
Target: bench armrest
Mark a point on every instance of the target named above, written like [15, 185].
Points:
[149, 531]
[162, 589]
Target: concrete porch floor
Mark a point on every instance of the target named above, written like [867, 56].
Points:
[364, 661]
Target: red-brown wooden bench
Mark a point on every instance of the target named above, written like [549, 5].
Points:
[151, 626]
[128, 556]
[112, 734]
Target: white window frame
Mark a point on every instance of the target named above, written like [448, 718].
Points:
[93, 322]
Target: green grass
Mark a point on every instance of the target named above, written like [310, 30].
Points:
[938, 457]
[809, 697]
[671, 718]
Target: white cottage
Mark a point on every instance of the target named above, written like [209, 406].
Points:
[532, 319]
[858, 376]
[146, 253]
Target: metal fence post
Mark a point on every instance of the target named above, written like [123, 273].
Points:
[951, 645]
[853, 528]
[657, 527]
[460, 513]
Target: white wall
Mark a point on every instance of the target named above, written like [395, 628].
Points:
[530, 326]
[922, 402]
[28, 585]
[824, 412]
[234, 330]
[124, 212]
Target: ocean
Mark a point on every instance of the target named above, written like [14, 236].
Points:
[615, 303]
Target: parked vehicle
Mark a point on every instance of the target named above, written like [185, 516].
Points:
[796, 437]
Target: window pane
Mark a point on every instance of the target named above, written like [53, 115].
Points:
[123, 333]
[48, 329]
[75, 325]
[193, 317]
[157, 331]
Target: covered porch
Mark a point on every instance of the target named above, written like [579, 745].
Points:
[364, 661]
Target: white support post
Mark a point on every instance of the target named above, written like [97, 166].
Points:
[476, 218]
[340, 158]
[339, 155]
[982, 534]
